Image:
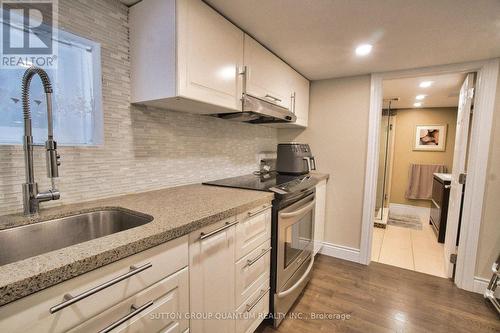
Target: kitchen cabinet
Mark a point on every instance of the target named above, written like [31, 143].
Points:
[187, 57]
[211, 261]
[219, 270]
[230, 272]
[266, 76]
[153, 278]
[168, 296]
[184, 56]
[300, 101]
[319, 217]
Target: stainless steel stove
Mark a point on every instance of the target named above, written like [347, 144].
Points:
[291, 233]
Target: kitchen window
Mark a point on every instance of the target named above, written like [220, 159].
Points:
[77, 105]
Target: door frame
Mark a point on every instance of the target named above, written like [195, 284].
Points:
[485, 90]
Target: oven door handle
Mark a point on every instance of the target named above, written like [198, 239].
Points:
[299, 211]
[298, 283]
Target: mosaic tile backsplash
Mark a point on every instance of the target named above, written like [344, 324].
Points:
[144, 148]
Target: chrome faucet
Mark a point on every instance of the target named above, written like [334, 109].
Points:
[31, 196]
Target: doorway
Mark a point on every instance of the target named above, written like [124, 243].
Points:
[415, 163]
[476, 178]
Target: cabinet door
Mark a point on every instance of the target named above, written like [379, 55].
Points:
[267, 76]
[300, 100]
[210, 53]
[253, 229]
[212, 277]
[160, 308]
[319, 218]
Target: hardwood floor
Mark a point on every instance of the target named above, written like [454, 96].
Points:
[383, 298]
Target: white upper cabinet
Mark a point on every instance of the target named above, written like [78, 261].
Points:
[184, 56]
[187, 57]
[266, 75]
[209, 55]
[300, 99]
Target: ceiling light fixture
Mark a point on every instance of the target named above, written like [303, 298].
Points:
[363, 49]
[426, 84]
[420, 97]
[417, 104]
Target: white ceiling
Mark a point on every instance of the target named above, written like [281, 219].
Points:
[318, 37]
[443, 92]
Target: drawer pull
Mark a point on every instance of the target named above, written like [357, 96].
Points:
[254, 303]
[250, 262]
[216, 231]
[73, 299]
[135, 311]
[250, 214]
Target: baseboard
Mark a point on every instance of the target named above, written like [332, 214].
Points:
[340, 251]
[480, 284]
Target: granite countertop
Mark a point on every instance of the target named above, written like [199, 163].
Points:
[446, 177]
[177, 211]
[319, 176]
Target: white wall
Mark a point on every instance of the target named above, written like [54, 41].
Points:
[337, 134]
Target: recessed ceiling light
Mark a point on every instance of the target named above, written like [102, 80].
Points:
[426, 84]
[417, 105]
[420, 97]
[363, 49]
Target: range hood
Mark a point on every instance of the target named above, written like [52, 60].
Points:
[259, 111]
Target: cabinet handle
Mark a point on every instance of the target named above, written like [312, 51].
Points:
[299, 211]
[293, 102]
[250, 214]
[136, 311]
[276, 99]
[250, 262]
[447, 186]
[254, 303]
[216, 231]
[73, 299]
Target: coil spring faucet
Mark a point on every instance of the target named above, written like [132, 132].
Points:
[31, 196]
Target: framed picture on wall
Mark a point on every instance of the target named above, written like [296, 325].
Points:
[430, 137]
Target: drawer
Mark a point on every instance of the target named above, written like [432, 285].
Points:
[31, 313]
[253, 229]
[252, 271]
[437, 191]
[164, 307]
[254, 310]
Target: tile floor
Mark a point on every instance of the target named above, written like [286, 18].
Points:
[417, 250]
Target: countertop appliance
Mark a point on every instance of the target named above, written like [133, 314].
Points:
[294, 159]
[292, 233]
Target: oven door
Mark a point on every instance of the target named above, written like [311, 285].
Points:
[295, 239]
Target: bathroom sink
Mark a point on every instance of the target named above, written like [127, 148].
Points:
[33, 239]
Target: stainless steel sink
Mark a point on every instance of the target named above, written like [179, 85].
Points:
[33, 239]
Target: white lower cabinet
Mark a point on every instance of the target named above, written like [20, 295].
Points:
[211, 279]
[159, 308]
[320, 216]
[32, 313]
[252, 312]
[214, 280]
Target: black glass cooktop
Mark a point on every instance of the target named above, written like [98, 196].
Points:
[270, 182]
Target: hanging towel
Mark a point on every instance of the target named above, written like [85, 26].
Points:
[420, 180]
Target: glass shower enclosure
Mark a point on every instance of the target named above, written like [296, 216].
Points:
[386, 150]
